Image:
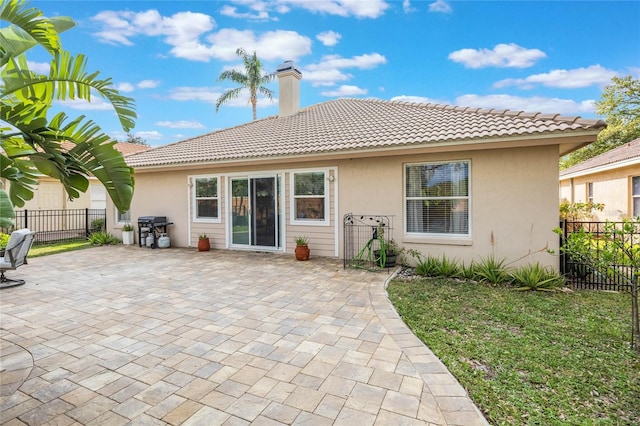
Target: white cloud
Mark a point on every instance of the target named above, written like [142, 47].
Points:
[345, 90]
[96, 104]
[39, 67]
[190, 36]
[153, 135]
[328, 71]
[148, 84]
[325, 77]
[502, 55]
[440, 6]
[566, 79]
[271, 45]
[181, 124]
[528, 104]
[345, 8]
[203, 94]
[406, 6]
[130, 87]
[261, 9]
[634, 71]
[417, 99]
[258, 11]
[366, 61]
[329, 38]
[210, 95]
[180, 28]
[125, 87]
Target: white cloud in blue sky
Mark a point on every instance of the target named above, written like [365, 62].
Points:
[440, 6]
[329, 38]
[502, 55]
[567, 79]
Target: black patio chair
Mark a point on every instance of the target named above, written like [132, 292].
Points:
[15, 255]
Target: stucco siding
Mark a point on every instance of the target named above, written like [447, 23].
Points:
[513, 205]
[610, 187]
[513, 202]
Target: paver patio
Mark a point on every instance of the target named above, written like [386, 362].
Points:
[128, 335]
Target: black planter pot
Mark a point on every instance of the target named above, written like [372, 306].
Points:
[390, 259]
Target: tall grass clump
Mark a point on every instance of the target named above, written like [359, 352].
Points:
[536, 277]
[491, 270]
[102, 238]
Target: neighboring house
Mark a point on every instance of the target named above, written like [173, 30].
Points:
[50, 194]
[462, 181]
[612, 178]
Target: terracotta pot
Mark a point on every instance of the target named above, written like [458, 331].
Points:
[302, 252]
[204, 244]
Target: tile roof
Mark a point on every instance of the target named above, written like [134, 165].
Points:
[349, 125]
[127, 148]
[628, 151]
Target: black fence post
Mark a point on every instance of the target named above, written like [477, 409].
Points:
[563, 236]
[86, 222]
[26, 218]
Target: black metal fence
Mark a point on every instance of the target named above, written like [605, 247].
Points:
[362, 235]
[60, 225]
[587, 271]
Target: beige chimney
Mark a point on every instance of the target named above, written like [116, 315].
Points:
[289, 76]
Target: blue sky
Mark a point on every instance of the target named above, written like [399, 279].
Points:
[553, 57]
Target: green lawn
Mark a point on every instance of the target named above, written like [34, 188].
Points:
[530, 357]
[58, 247]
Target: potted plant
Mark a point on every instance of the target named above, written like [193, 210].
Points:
[127, 234]
[203, 243]
[387, 255]
[302, 248]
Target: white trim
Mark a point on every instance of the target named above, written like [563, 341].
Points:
[189, 221]
[196, 219]
[603, 168]
[228, 228]
[120, 223]
[438, 238]
[327, 198]
[337, 220]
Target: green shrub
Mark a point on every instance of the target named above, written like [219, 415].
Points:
[4, 239]
[536, 277]
[491, 270]
[449, 268]
[468, 272]
[427, 267]
[102, 238]
[97, 225]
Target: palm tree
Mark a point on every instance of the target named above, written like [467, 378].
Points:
[252, 79]
[31, 142]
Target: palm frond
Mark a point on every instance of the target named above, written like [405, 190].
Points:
[28, 28]
[67, 79]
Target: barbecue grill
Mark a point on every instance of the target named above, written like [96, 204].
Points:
[154, 226]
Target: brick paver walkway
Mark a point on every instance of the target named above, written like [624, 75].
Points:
[128, 335]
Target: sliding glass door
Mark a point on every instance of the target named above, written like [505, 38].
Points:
[255, 211]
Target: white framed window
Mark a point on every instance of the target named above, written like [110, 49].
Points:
[123, 217]
[635, 196]
[437, 199]
[310, 197]
[590, 192]
[206, 199]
